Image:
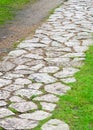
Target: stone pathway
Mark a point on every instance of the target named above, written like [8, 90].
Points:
[34, 75]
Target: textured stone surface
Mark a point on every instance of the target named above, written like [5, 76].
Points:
[66, 72]
[57, 88]
[49, 69]
[17, 123]
[34, 74]
[6, 66]
[4, 112]
[4, 94]
[27, 92]
[22, 81]
[23, 106]
[68, 80]
[35, 85]
[47, 98]
[37, 115]
[4, 82]
[3, 103]
[48, 106]
[16, 53]
[13, 87]
[16, 99]
[55, 124]
[42, 77]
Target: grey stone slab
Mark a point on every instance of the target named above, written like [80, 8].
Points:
[69, 80]
[73, 55]
[48, 106]
[80, 49]
[42, 77]
[55, 124]
[2, 103]
[33, 56]
[35, 86]
[13, 87]
[4, 82]
[58, 61]
[23, 72]
[17, 53]
[66, 72]
[37, 67]
[4, 112]
[49, 69]
[17, 123]
[22, 81]
[47, 98]
[37, 115]
[16, 99]
[57, 88]
[27, 92]
[31, 45]
[22, 67]
[4, 94]
[12, 76]
[23, 106]
[6, 66]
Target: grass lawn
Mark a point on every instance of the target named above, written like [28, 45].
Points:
[76, 107]
[8, 8]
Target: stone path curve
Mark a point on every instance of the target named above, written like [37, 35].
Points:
[34, 75]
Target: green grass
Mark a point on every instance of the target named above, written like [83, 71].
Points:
[8, 8]
[76, 107]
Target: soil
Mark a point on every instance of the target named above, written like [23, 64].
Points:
[25, 23]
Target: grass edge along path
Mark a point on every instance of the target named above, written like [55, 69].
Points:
[76, 107]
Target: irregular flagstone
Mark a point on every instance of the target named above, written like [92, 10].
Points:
[4, 82]
[17, 53]
[48, 106]
[4, 112]
[4, 94]
[47, 97]
[66, 72]
[43, 78]
[2, 103]
[72, 55]
[55, 124]
[80, 49]
[22, 67]
[13, 87]
[27, 92]
[23, 72]
[57, 88]
[37, 67]
[6, 66]
[17, 123]
[37, 115]
[68, 80]
[35, 85]
[22, 81]
[16, 99]
[31, 45]
[12, 76]
[49, 69]
[23, 106]
[58, 61]
[33, 56]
